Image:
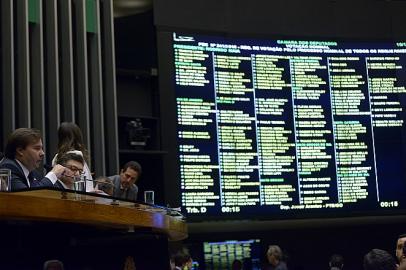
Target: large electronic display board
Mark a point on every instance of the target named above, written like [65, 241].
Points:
[289, 128]
[222, 254]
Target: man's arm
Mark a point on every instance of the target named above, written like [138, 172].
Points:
[50, 179]
[44, 182]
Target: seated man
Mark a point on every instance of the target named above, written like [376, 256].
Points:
[24, 154]
[124, 184]
[74, 164]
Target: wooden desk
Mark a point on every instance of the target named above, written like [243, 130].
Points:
[69, 207]
[84, 231]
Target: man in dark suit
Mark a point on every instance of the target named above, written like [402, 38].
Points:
[23, 154]
[74, 164]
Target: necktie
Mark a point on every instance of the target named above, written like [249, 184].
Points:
[31, 178]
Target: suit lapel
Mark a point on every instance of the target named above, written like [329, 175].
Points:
[21, 172]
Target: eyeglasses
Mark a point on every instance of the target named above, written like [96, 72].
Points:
[75, 169]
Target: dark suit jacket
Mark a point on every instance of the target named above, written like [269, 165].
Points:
[58, 185]
[18, 180]
[129, 194]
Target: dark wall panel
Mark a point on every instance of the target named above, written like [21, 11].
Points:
[135, 42]
[51, 71]
[316, 18]
[397, 11]
[191, 14]
[361, 20]
[7, 69]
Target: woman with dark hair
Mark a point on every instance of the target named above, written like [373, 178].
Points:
[70, 140]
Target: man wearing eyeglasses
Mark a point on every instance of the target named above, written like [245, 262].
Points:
[74, 164]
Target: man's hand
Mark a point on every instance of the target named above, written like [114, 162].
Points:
[59, 170]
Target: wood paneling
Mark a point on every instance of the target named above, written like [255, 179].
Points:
[53, 205]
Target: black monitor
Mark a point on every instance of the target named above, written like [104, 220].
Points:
[283, 128]
[222, 254]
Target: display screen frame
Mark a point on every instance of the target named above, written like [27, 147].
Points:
[240, 249]
[169, 134]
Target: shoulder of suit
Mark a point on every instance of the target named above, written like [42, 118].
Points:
[115, 179]
[7, 161]
[12, 165]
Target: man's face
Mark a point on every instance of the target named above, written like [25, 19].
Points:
[128, 177]
[74, 168]
[399, 248]
[31, 156]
